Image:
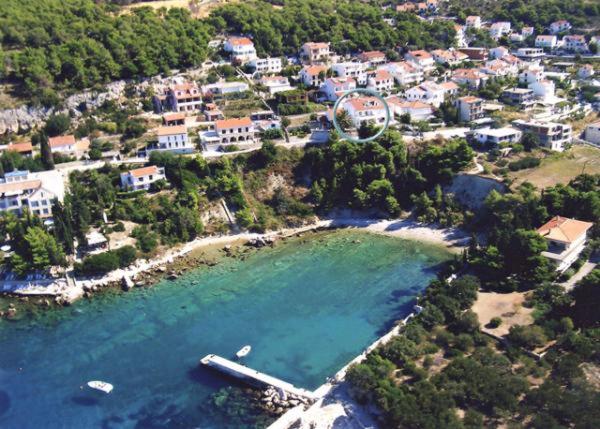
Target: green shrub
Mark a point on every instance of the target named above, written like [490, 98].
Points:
[495, 322]
[528, 162]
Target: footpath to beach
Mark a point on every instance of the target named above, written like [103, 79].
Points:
[70, 289]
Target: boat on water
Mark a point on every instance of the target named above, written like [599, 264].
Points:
[103, 386]
[243, 351]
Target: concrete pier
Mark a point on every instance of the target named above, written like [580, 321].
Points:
[252, 376]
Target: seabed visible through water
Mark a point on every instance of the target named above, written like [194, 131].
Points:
[307, 307]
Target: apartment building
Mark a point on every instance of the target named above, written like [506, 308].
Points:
[552, 135]
[381, 81]
[315, 52]
[469, 108]
[355, 70]
[313, 76]
[269, 65]
[335, 87]
[35, 191]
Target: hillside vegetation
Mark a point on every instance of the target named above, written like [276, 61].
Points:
[50, 44]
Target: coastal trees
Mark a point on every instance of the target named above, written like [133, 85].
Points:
[38, 251]
[102, 263]
[380, 174]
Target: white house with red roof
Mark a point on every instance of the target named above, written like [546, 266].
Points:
[499, 29]
[34, 191]
[381, 81]
[404, 72]
[315, 52]
[532, 73]
[449, 57]
[546, 41]
[355, 70]
[566, 239]
[25, 148]
[559, 26]
[172, 139]
[500, 68]
[313, 76]
[335, 87]
[184, 97]
[421, 58]
[575, 43]
[142, 178]
[473, 78]
[269, 65]
[428, 92]
[236, 131]
[67, 145]
[418, 110]
[469, 108]
[241, 49]
[365, 110]
[372, 58]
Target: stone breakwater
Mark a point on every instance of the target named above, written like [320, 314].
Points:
[273, 403]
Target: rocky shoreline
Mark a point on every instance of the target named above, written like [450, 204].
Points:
[209, 251]
[18, 306]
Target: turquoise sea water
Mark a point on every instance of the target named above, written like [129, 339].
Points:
[307, 307]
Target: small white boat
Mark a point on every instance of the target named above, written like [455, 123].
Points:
[243, 351]
[101, 385]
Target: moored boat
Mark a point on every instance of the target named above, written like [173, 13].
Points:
[243, 351]
[103, 386]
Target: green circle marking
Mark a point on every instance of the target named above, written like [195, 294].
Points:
[361, 91]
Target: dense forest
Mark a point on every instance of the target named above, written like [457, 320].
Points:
[348, 25]
[382, 174]
[49, 45]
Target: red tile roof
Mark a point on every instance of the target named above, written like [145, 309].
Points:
[20, 186]
[20, 147]
[169, 131]
[366, 103]
[239, 41]
[61, 141]
[233, 123]
[314, 70]
[564, 229]
[144, 171]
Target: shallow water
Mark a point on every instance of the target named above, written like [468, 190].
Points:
[307, 307]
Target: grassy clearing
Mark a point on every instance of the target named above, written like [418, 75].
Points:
[561, 167]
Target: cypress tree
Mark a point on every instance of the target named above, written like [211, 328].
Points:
[46, 152]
